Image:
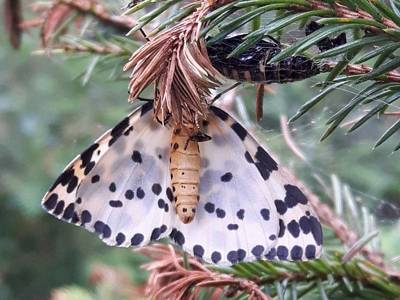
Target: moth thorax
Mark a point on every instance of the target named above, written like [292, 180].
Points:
[185, 173]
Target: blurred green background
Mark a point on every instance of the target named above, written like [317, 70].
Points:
[47, 117]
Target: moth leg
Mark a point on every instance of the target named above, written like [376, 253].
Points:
[224, 92]
[145, 99]
[197, 137]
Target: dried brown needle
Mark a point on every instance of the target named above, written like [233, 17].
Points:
[176, 61]
[170, 280]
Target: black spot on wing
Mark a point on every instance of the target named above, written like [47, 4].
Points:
[198, 251]
[128, 131]
[232, 257]
[63, 179]
[69, 211]
[75, 218]
[294, 228]
[280, 206]
[73, 183]
[209, 207]
[226, 177]
[265, 214]
[262, 170]
[271, 254]
[257, 251]
[59, 208]
[233, 226]
[316, 230]
[161, 203]
[282, 228]
[294, 196]
[310, 251]
[155, 234]
[115, 203]
[239, 130]
[219, 113]
[86, 156]
[137, 157]
[220, 213]
[89, 167]
[236, 256]
[241, 254]
[51, 201]
[282, 252]
[170, 195]
[140, 193]
[156, 188]
[240, 214]
[86, 217]
[112, 187]
[296, 253]
[137, 239]
[95, 178]
[129, 194]
[163, 228]
[264, 163]
[177, 236]
[305, 225]
[120, 238]
[248, 157]
[216, 257]
[118, 130]
[102, 229]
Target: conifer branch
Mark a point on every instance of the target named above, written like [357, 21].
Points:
[98, 11]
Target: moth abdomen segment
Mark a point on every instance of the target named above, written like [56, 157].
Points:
[185, 173]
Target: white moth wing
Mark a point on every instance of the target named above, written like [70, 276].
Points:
[300, 231]
[119, 187]
[241, 215]
[235, 220]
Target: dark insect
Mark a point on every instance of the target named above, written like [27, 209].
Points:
[326, 43]
[252, 65]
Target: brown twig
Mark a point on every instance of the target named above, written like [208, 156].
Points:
[259, 101]
[12, 18]
[92, 48]
[55, 15]
[344, 12]
[392, 113]
[124, 23]
[352, 69]
[288, 138]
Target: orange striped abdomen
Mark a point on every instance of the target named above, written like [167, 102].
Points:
[185, 174]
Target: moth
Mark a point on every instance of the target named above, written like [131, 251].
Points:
[253, 64]
[246, 206]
